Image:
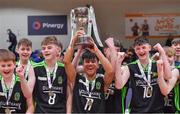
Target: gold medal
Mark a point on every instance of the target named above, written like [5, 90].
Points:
[7, 111]
[51, 93]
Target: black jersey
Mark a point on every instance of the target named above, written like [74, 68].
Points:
[113, 96]
[176, 99]
[144, 100]
[17, 101]
[113, 99]
[176, 91]
[50, 100]
[172, 100]
[88, 96]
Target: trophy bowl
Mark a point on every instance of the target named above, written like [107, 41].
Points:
[84, 41]
[82, 22]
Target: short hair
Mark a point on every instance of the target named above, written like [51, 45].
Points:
[175, 41]
[140, 41]
[60, 45]
[117, 43]
[169, 51]
[6, 55]
[50, 40]
[25, 42]
[88, 55]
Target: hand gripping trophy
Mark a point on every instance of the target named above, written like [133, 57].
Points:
[83, 18]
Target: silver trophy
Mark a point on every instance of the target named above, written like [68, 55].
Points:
[83, 18]
[80, 20]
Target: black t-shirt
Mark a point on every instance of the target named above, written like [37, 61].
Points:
[142, 101]
[17, 101]
[88, 96]
[46, 102]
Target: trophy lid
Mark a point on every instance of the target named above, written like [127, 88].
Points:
[81, 11]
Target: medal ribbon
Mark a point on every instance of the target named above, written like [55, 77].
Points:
[49, 77]
[149, 72]
[7, 92]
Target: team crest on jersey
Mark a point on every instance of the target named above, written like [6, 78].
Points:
[60, 80]
[98, 85]
[154, 74]
[17, 96]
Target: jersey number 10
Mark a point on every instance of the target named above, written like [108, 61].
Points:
[148, 90]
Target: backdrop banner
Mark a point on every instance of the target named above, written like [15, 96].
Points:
[47, 25]
[152, 25]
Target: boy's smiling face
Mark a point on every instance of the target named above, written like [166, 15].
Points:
[24, 52]
[142, 51]
[50, 51]
[176, 47]
[7, 68]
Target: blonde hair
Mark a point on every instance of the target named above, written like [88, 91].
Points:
[169, 51]
[50, 40]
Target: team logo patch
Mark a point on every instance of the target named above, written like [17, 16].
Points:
[60, 80]
[154, 74]
[17, 96]
[98, 85]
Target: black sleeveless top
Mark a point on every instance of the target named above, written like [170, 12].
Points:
[88, 96]
[17, 101]
[113, 97]
[142, 101]
[46, 102]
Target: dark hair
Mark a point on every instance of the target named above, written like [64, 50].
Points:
[140, 41]
[9, 30]
[88, 55]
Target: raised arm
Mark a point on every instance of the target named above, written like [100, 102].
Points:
[76, 59]
[24, 85]
[108, 76]
[122, 72]
[77, 56]
[31, 79]
[69, 67]
[30, 106]
[166, 86]
[69, 99]
[166, 65]
[113, 53]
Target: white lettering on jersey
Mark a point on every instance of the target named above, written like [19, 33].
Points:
[42, 78]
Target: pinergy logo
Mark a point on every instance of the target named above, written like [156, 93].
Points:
[37, 25]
